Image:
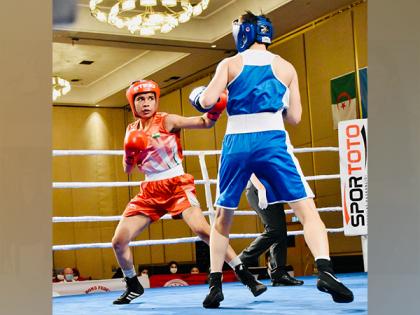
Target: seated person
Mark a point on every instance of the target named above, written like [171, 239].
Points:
[68, 275]
[195, 270]
[173, 267]
[144, 272]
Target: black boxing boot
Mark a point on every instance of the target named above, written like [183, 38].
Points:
[215, 295]
[282, 278]
[243, 275]
[327, 282]
[133, 290]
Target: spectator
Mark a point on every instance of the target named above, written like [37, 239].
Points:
[195, 270]
[69, 275]
[78, 277]
[144, 272]
[173, 267]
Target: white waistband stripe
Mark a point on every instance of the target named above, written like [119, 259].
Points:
[255, 122]
[172, 172]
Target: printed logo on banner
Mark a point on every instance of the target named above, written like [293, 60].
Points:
[97, 288]
[354, 175]
[176, 283]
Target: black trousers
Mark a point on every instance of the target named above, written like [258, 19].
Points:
[273, 237]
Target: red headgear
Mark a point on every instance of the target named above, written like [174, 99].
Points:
[141, 86]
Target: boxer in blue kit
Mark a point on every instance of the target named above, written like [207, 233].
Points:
[263, 91]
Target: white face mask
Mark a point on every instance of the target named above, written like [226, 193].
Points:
[173, 270]
[60, 277]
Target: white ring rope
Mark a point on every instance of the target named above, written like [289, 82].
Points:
[206, 181]
[171, 240]
[62, 185]
[166, 216]
[113, 184]
[185, 153]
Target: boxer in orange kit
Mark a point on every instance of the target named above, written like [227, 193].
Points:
[152, 143]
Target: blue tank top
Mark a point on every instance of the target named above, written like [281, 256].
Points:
[256, 88]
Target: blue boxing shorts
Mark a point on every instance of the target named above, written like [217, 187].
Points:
[267, 154]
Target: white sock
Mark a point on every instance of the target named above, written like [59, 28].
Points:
[234, 262]
[129, 273]
[322, 257]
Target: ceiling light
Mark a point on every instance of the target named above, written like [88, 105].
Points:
[148, 2]
[60, 87]
[169, 3]
[197, 9]
[143, 16]
[127, 5]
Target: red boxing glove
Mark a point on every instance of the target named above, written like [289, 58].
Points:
[215, 112]
[135, 142]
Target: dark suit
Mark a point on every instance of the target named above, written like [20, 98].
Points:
[273, 237]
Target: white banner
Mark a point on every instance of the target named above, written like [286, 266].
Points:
[93, 286]
[352, 138]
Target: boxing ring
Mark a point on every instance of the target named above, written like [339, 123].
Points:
[304, 299]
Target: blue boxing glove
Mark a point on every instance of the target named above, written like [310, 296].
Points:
[194, 99]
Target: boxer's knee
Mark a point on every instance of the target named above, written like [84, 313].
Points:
[223, 220]
[119, 243]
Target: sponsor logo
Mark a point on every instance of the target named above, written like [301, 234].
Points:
[264, 29]
[355, 179]
[97, 288]
[144, 86]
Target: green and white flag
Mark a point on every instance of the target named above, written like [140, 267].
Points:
[343, 98]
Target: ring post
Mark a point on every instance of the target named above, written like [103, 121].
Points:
[352, 139]
[207, 190]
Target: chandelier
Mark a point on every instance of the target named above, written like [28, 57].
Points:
[147, 17]
[60, 87]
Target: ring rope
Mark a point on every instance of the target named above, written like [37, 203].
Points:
[172, 240]
[61, 185]
[185, 153]
[206, 181]
[166, 216]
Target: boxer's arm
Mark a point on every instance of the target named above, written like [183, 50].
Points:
[216, 86]
[128, 164]
[294, 112]
[175, 122]
[128, 161]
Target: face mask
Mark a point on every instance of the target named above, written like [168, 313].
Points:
[69, 277]
[173, 270]
[60, 277]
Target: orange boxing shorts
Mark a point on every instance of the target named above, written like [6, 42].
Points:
[156, 198]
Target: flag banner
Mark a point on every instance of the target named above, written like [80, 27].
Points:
[343, 96]
[352, 139]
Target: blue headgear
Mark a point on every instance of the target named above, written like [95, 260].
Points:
[245, 34]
